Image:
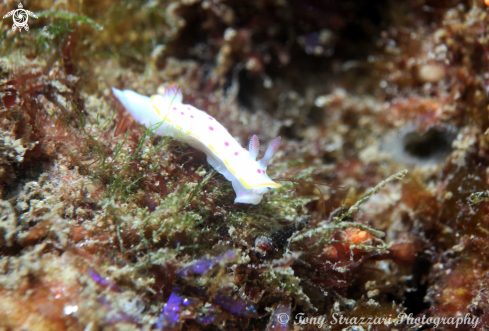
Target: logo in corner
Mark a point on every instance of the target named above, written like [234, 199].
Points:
[20, 17]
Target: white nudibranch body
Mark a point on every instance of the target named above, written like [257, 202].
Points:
[186, 123]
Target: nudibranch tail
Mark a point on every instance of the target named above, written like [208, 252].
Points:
[169, 116]
[138, 105]
[133, 102]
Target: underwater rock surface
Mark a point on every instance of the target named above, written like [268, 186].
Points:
[106, 226]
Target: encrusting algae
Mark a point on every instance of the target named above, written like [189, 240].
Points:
[106, 225]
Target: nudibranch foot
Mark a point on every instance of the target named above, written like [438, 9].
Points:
[170, 117]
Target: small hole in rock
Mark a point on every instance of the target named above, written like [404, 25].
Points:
[434, 143]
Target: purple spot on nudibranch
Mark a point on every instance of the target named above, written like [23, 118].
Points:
[226, 143]
[211, 128]
[236, 153]
[210, 118]
[174, 108]
[259, 171]
[191, 116]
[182, 113]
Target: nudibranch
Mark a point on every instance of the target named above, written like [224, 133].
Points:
[170, 117]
